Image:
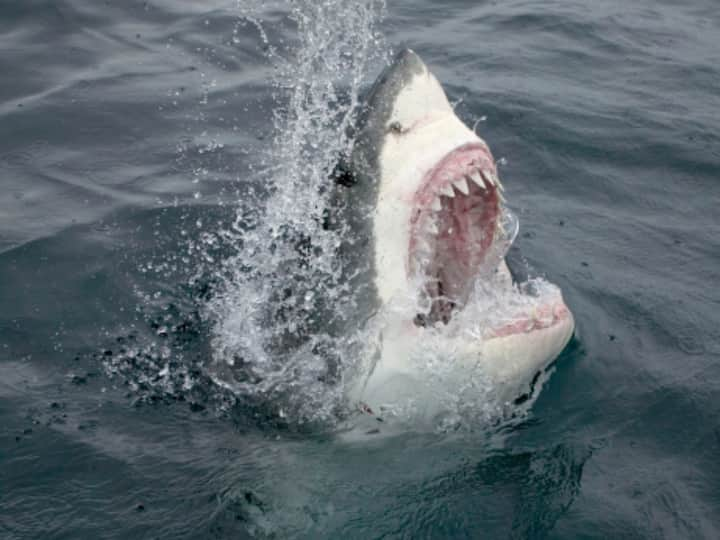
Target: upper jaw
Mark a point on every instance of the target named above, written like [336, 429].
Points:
[405, 162]
[470, 165]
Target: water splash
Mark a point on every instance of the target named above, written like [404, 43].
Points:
[280, 316]
[281, 319]
[283, 286]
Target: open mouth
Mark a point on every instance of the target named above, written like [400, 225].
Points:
[459, 237]
[455, 224]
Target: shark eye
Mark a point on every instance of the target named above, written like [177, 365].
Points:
[396, 127]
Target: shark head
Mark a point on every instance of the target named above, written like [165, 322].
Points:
[439, 233]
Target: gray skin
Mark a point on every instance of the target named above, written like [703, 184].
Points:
[357, 179]
[372, 126]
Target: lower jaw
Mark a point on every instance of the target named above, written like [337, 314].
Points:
[543, 317]
[546, 316]
[505, 364]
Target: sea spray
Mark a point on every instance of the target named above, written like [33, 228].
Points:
[283, 286]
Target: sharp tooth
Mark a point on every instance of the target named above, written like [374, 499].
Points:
[462, 186]
[475, 177]
[488, 175]
[491, 177]
[498, 183]
[447, 190]
[435, 204]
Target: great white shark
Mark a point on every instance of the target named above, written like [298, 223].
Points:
[421, 193]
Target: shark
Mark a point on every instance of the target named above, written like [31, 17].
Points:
[420, 191]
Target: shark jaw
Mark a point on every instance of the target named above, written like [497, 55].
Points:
[440, 235]
[458, 240]
[454, 224]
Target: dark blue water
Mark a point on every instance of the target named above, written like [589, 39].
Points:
[130, 132]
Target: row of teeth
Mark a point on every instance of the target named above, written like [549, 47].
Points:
[477, 177]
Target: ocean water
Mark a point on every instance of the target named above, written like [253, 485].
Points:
[150, 151]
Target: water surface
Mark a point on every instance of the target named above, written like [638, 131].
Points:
[131, 132]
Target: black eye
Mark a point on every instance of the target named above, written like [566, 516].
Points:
[396, 127]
